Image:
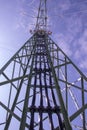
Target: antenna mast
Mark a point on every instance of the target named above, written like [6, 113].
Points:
[41, 23]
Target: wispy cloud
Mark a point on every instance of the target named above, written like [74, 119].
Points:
[62, 42]
[82, 43]
[26, 16]
[74, 24]
[64, 5]
[32, 2]
[83, 64]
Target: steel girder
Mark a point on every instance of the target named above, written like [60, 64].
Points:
[41, 88]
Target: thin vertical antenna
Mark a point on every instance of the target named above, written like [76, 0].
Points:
[41, 23]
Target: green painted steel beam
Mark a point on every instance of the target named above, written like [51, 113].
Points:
[76, 114]
[25, 110]
[16, 97]
[63, 109]
[13, 80]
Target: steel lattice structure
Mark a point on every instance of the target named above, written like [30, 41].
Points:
[41, 88]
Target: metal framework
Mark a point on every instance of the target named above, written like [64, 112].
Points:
[41, 23]
[42, 89]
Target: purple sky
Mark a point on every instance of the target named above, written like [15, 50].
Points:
[66, 19]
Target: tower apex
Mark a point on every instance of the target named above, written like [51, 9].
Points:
[41, 23]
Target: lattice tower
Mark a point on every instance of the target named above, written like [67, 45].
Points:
[40, 87]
